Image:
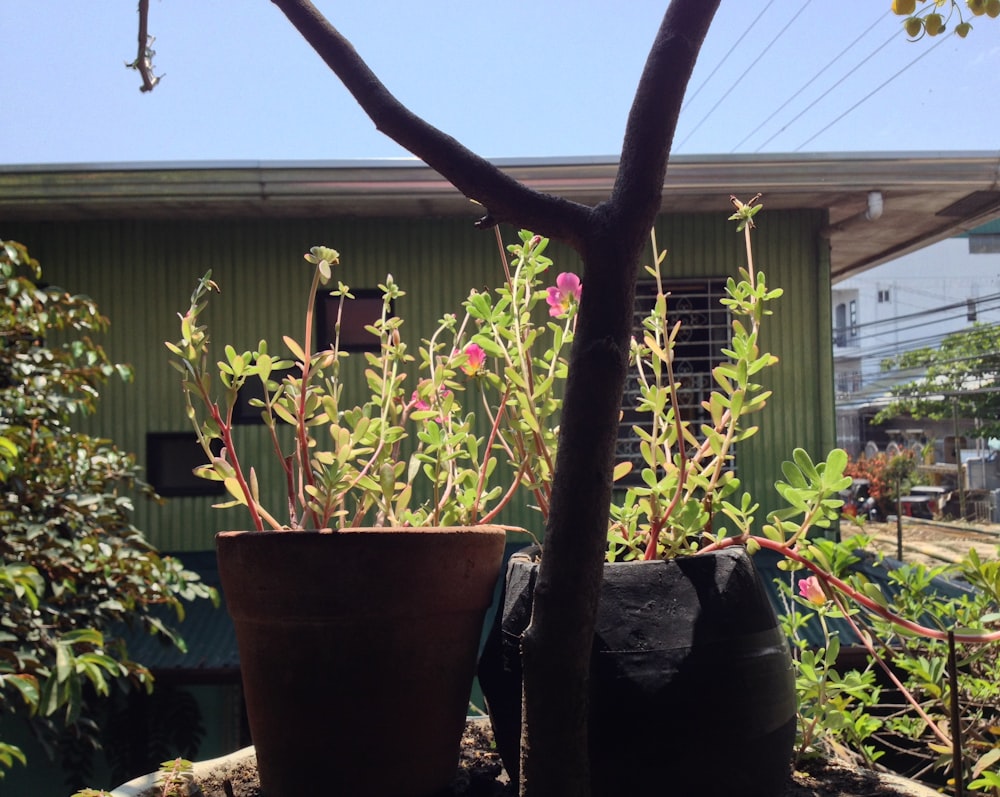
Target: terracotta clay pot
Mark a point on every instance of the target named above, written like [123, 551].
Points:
[345, 634]
[692, 687]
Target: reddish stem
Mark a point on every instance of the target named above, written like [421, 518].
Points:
[227, 441]
[845, 588]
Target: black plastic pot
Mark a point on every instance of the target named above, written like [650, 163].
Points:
[692, 688]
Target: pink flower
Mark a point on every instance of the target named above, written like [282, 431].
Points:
[810, 589]
[421, 405]
[566, 291]
[476, 359]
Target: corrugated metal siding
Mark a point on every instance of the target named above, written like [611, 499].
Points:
[788, 251]
[142, 273]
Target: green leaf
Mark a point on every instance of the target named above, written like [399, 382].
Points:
[26, 685]
[794, 476]
[805, 464]
[875, 593]
[832, 650]
[836, 461]
[64, 662]
[9, 753]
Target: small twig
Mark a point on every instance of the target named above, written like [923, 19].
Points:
[143, 62]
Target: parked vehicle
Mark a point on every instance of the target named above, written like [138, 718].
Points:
[858, 501]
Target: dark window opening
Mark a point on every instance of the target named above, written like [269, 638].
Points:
[840, 325]
[357, 313]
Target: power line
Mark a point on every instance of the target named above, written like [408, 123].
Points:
[729, 52]
[874, 91]
[826, 93]
[963, 304]
[897, 351]
[910, 344]
[736, 83]
[808, 83]
[905, 344]
[891, 354]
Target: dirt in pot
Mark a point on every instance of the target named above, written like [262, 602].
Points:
[481, 774]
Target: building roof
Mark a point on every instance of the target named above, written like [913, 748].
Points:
[990, 228]
[922, 197]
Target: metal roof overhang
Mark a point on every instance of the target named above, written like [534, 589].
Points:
[926, 196]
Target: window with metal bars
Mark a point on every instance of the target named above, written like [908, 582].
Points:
[705, 331]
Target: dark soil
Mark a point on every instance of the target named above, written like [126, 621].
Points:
[480, 774]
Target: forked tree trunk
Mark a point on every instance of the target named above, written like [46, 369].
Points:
[555, 653]
[609, 238]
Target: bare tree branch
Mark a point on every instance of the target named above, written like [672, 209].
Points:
[143, 62]
[505, 199]
[656, 106]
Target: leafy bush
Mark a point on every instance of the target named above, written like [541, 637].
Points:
[889, 476]
[834, 706]
[900, 710]
[74, 571]
[924, 665]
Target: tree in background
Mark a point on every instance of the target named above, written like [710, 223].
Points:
[889, 476]
[74, 571]
[961, 377]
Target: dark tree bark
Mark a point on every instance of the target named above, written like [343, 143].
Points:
[609, 238]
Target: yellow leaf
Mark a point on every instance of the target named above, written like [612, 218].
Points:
[622, 469]
[655, 349]
[294, 347]
[233, 488]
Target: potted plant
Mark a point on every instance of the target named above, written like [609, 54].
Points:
[687, 646]
[362, 600]
[687, 642]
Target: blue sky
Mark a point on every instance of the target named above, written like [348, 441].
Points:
[517, 78]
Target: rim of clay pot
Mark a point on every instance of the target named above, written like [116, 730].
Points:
[143, 783]
[485, 529]
[490, 528]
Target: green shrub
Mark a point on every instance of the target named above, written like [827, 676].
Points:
[74, 571]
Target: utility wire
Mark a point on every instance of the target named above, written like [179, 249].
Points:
[736, 83]
[873, 92]
[897, 348]
[896, 369]
[963, 303]
[808, 83]
[729, 52]
[891, 351]
[895, 352]
[839, 331]
[826, 93]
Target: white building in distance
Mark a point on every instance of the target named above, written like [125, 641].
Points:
[908, 303]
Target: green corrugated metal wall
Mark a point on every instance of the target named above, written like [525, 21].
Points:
[788, 250]
[141, 274]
